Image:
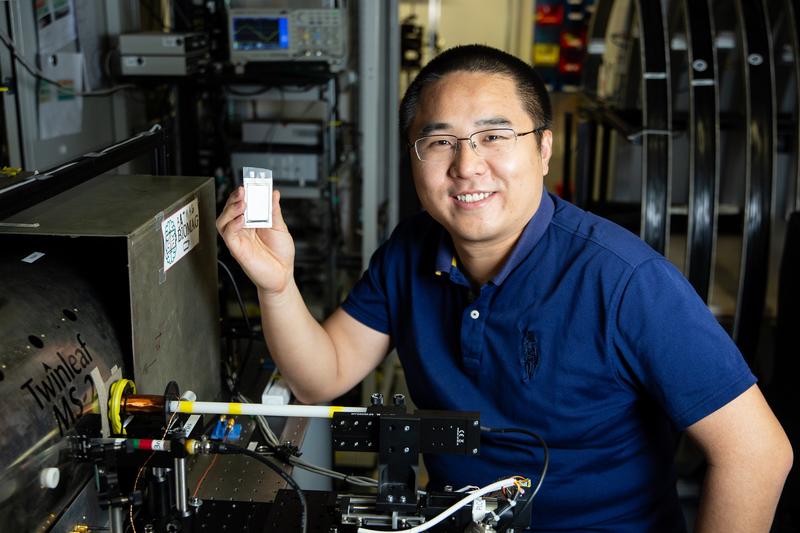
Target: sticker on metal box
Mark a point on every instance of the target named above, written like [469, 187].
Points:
[180, 233]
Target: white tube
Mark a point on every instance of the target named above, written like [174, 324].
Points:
[452, 509]
[223, 408]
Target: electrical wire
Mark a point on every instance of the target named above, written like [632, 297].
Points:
[9, 42]
[130, 524]
[141, 468]
[234, 379]
[213, 461]
[497, 485]
[270, 437]
[238, 296]
[360, 481]
[209, 467]
[494, 516]
[545, 449]
[38, 74]
[182, 15]
[232, 449]
[274, 443]
[545, 461]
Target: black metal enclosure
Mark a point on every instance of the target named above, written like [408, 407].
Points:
[688, 135]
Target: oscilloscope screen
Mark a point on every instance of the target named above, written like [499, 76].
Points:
[260, 33]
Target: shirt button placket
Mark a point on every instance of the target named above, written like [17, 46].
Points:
[471, 342]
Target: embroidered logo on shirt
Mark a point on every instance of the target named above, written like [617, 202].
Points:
[529, 355]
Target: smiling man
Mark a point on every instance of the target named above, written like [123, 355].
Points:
[484, 191]
[503, 299]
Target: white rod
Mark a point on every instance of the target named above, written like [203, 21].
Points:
[223, 408]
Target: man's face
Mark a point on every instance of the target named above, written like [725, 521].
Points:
[504, 191]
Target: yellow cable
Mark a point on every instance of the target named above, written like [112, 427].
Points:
[116, 391]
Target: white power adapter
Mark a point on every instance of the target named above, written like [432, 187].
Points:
[276, 392]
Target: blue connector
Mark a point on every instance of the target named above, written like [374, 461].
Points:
[221, 431]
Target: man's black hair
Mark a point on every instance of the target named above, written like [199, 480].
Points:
[480, 58]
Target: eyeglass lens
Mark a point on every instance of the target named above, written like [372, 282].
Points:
[487, 143]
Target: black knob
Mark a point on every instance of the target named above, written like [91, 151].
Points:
[376, 398]
[399, 399]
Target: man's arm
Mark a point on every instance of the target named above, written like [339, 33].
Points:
[748, 458]
[319, 362]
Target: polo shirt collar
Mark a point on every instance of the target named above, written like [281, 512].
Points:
[445, 254]
[532, 233]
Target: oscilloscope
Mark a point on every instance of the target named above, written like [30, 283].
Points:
[288, 35]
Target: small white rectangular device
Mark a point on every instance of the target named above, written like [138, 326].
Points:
[276, 392]
[257, 197]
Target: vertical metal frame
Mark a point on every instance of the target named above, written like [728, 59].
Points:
[379, 57]
[596, 45]
[605, 164]
[379, 86]
[117, 11]
[586, 153]
[329, 94]
[656, 125]
[793, 12]
[369, 121]
[587, 130]
[392, 102]
[566, 173]
[759, 78]
[11, 100]
[704, 153]
[20, 19]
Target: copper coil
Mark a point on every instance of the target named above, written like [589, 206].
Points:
[142, 403]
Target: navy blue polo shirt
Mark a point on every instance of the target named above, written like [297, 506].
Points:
[586, 336]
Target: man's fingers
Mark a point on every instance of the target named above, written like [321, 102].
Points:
[228, 215]
[233, 227]
[236, 196]
[234, 207]
[277, 216]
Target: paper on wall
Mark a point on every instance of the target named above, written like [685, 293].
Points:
[60, 110]
[55, 24]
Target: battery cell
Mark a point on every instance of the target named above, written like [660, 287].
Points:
[257, 197]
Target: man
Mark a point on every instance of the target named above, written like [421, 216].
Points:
[503, 299]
